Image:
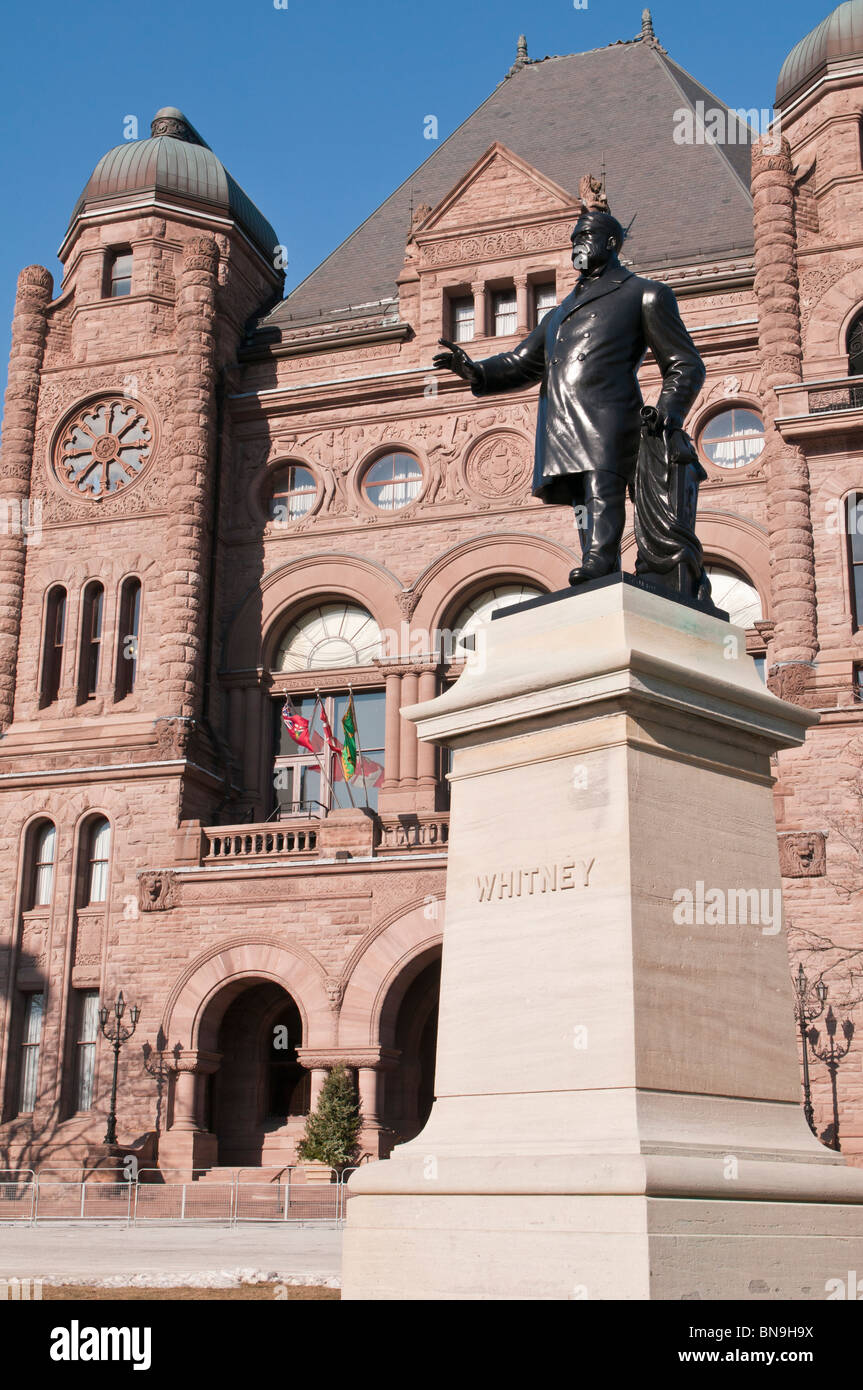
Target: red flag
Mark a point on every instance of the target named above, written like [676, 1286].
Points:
[332, 741]
[296, 725]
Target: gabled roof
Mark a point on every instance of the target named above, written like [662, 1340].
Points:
[564, 116]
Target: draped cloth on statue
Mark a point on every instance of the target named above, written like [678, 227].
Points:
[665, 494]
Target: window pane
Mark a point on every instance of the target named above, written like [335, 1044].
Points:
[545, 299]
[505, 313]
[393, 481]
[858, 594]
[462, 312]
[370, 706]
[44, 861]
[854, 513]
[733, 438]
[88, 1032]
[99, 854]
[32, 1037]
[294, 494]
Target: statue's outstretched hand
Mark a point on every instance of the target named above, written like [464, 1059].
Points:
[456, 360]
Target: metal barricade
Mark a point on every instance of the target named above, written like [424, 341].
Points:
[17, 1194]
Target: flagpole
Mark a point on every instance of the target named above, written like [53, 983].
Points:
[332, 784]
[314, 754]
[359, 747]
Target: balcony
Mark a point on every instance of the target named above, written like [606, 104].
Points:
[342, 834]
[252, 843]
[831, 405]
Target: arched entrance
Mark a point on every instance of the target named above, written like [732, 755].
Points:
[409, 1024]
[259, 1095]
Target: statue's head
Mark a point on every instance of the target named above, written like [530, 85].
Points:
[596, 239]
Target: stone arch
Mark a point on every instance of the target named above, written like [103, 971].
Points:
[238, 962]
[399, 948]
[831, 313]
[481, 562]
[255, 626]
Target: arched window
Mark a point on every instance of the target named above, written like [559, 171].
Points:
[52, 646]
[98, 854]
[477, 613]
[742, 602]
[293, 495]
[854, 532]
[392, 482]
[735, 595]
[854, 343]
[330, 635]
[127, 638]
[91, 640]
[44, 842]
[733, 438]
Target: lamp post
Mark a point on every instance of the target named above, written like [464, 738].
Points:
[831, 1055]
[806, 1012]
[116, 1035]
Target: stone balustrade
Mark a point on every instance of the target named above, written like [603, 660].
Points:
[250, 843]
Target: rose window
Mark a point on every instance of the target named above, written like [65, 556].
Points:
[103, 448]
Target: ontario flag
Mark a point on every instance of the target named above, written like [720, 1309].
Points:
[296, 725]
[332, 742]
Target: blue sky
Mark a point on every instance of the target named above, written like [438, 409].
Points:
[316, 109]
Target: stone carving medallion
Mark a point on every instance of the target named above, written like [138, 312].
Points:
[499, 465]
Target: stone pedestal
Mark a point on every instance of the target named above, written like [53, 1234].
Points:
[618, 1109]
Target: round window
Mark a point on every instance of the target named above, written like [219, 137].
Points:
[733, 438]
[103, 447]
[393, 482]
[293, 495]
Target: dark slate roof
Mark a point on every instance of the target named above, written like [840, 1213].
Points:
[838, 36]
[177, 164]
[563, 115]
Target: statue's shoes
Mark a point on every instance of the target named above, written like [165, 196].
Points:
[584, 573]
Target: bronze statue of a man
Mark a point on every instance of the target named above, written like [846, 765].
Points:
[586, 354]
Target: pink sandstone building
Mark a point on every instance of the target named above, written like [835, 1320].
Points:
[217, 497]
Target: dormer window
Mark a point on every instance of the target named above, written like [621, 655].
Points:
[504, 313]
[119, 277]
[463, 319]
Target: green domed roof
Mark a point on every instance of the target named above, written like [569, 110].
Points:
[177, 164]
[838, 37]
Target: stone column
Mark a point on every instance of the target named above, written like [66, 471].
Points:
[29, 332]
[187, 1146]
[789, 520]
[427, 755]
[480, 310]
[187, 538]
[319, 1076]
[367, 1080]
[408, 750]
[392, 734]
[522, 302]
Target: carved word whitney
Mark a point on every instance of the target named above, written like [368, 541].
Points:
[547, 878]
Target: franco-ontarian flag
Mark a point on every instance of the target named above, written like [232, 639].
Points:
[349, 734]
